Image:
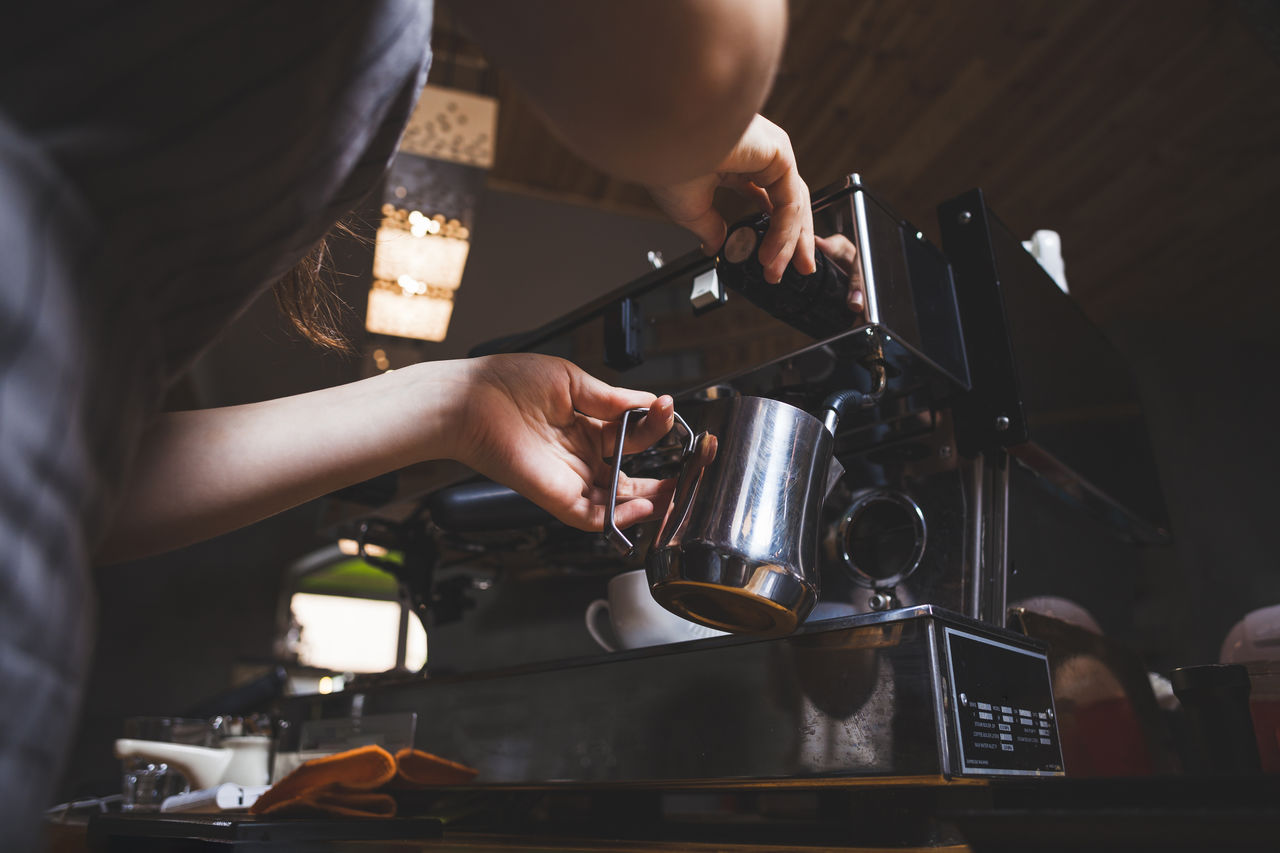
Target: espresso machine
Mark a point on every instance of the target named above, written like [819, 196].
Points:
[908, 444]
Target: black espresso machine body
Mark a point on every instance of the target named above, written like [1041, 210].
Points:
[915, 546]
[904, 525]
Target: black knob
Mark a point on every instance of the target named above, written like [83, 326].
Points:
[815, 303]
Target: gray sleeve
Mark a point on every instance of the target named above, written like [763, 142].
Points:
[47, 485]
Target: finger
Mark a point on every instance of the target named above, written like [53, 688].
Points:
[841, 251]
[751, 190]
[789, 239]
[627, 513]
[592, 516]
[636, 511]
[641, 433]
[639, 500]
[856, 298]
[653, 426]
[591, 512]
[764, 156]
[631, 487]
[601, 400]
[710, 229]
[692, 206]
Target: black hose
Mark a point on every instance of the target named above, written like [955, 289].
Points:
[834, 406]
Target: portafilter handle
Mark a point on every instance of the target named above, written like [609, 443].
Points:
[615, 536]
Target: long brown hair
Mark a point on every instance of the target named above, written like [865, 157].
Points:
[306, 296]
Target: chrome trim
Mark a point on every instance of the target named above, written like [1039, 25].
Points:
[872, 312]
[977, 531]
[999, 514]
[860, 503]
[821, 197]
[945, 759]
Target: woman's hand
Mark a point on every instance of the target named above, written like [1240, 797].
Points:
[547, 429]
[534, 423]
[761, 166]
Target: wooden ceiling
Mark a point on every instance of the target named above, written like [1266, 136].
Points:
[1145, 132]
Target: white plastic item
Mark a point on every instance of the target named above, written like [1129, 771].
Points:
[226, 797]
[242, 760]
[637, 619]
[1046, 247]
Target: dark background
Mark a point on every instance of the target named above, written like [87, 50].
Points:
[1146, 133]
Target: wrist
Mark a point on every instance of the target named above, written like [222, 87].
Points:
[437, 393]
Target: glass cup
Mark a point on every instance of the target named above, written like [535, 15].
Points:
[145, 783]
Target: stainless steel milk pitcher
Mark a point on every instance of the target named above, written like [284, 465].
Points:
[738, 547]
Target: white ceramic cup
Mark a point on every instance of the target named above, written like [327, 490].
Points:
[637, 620]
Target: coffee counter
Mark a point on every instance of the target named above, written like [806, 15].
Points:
[1178, 813]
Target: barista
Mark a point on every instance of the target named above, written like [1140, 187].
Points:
[161, 164]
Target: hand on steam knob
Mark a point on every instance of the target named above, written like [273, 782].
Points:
[761, 166]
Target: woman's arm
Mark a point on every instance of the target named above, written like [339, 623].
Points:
[654, 92]
[664, 93]
[537, 424]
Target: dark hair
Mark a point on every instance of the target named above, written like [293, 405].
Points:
[306, 296]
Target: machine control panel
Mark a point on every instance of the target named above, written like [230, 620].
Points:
[1002, 703]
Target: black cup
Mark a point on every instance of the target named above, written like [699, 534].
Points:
[1215, 699]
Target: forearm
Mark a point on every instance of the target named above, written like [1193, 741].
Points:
[653, 92]
[202, 473]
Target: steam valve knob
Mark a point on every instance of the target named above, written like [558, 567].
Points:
[814, 304]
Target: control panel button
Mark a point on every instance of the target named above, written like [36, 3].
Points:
[707, 291]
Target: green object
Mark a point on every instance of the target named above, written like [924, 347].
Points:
[353, 578]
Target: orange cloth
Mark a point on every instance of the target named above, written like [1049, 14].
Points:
[353, 783]
[336, 784]
[418, 769]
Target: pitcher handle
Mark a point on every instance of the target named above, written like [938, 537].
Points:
[615, 536]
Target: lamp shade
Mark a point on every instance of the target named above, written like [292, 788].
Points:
[428, 211]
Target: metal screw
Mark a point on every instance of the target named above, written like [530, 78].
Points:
[1002, 423]
[945, 451]
[879, 601]
[965, 217]
[919, 235]
[656, 260]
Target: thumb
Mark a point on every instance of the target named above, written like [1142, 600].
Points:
[692, 206]
[709, 228]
